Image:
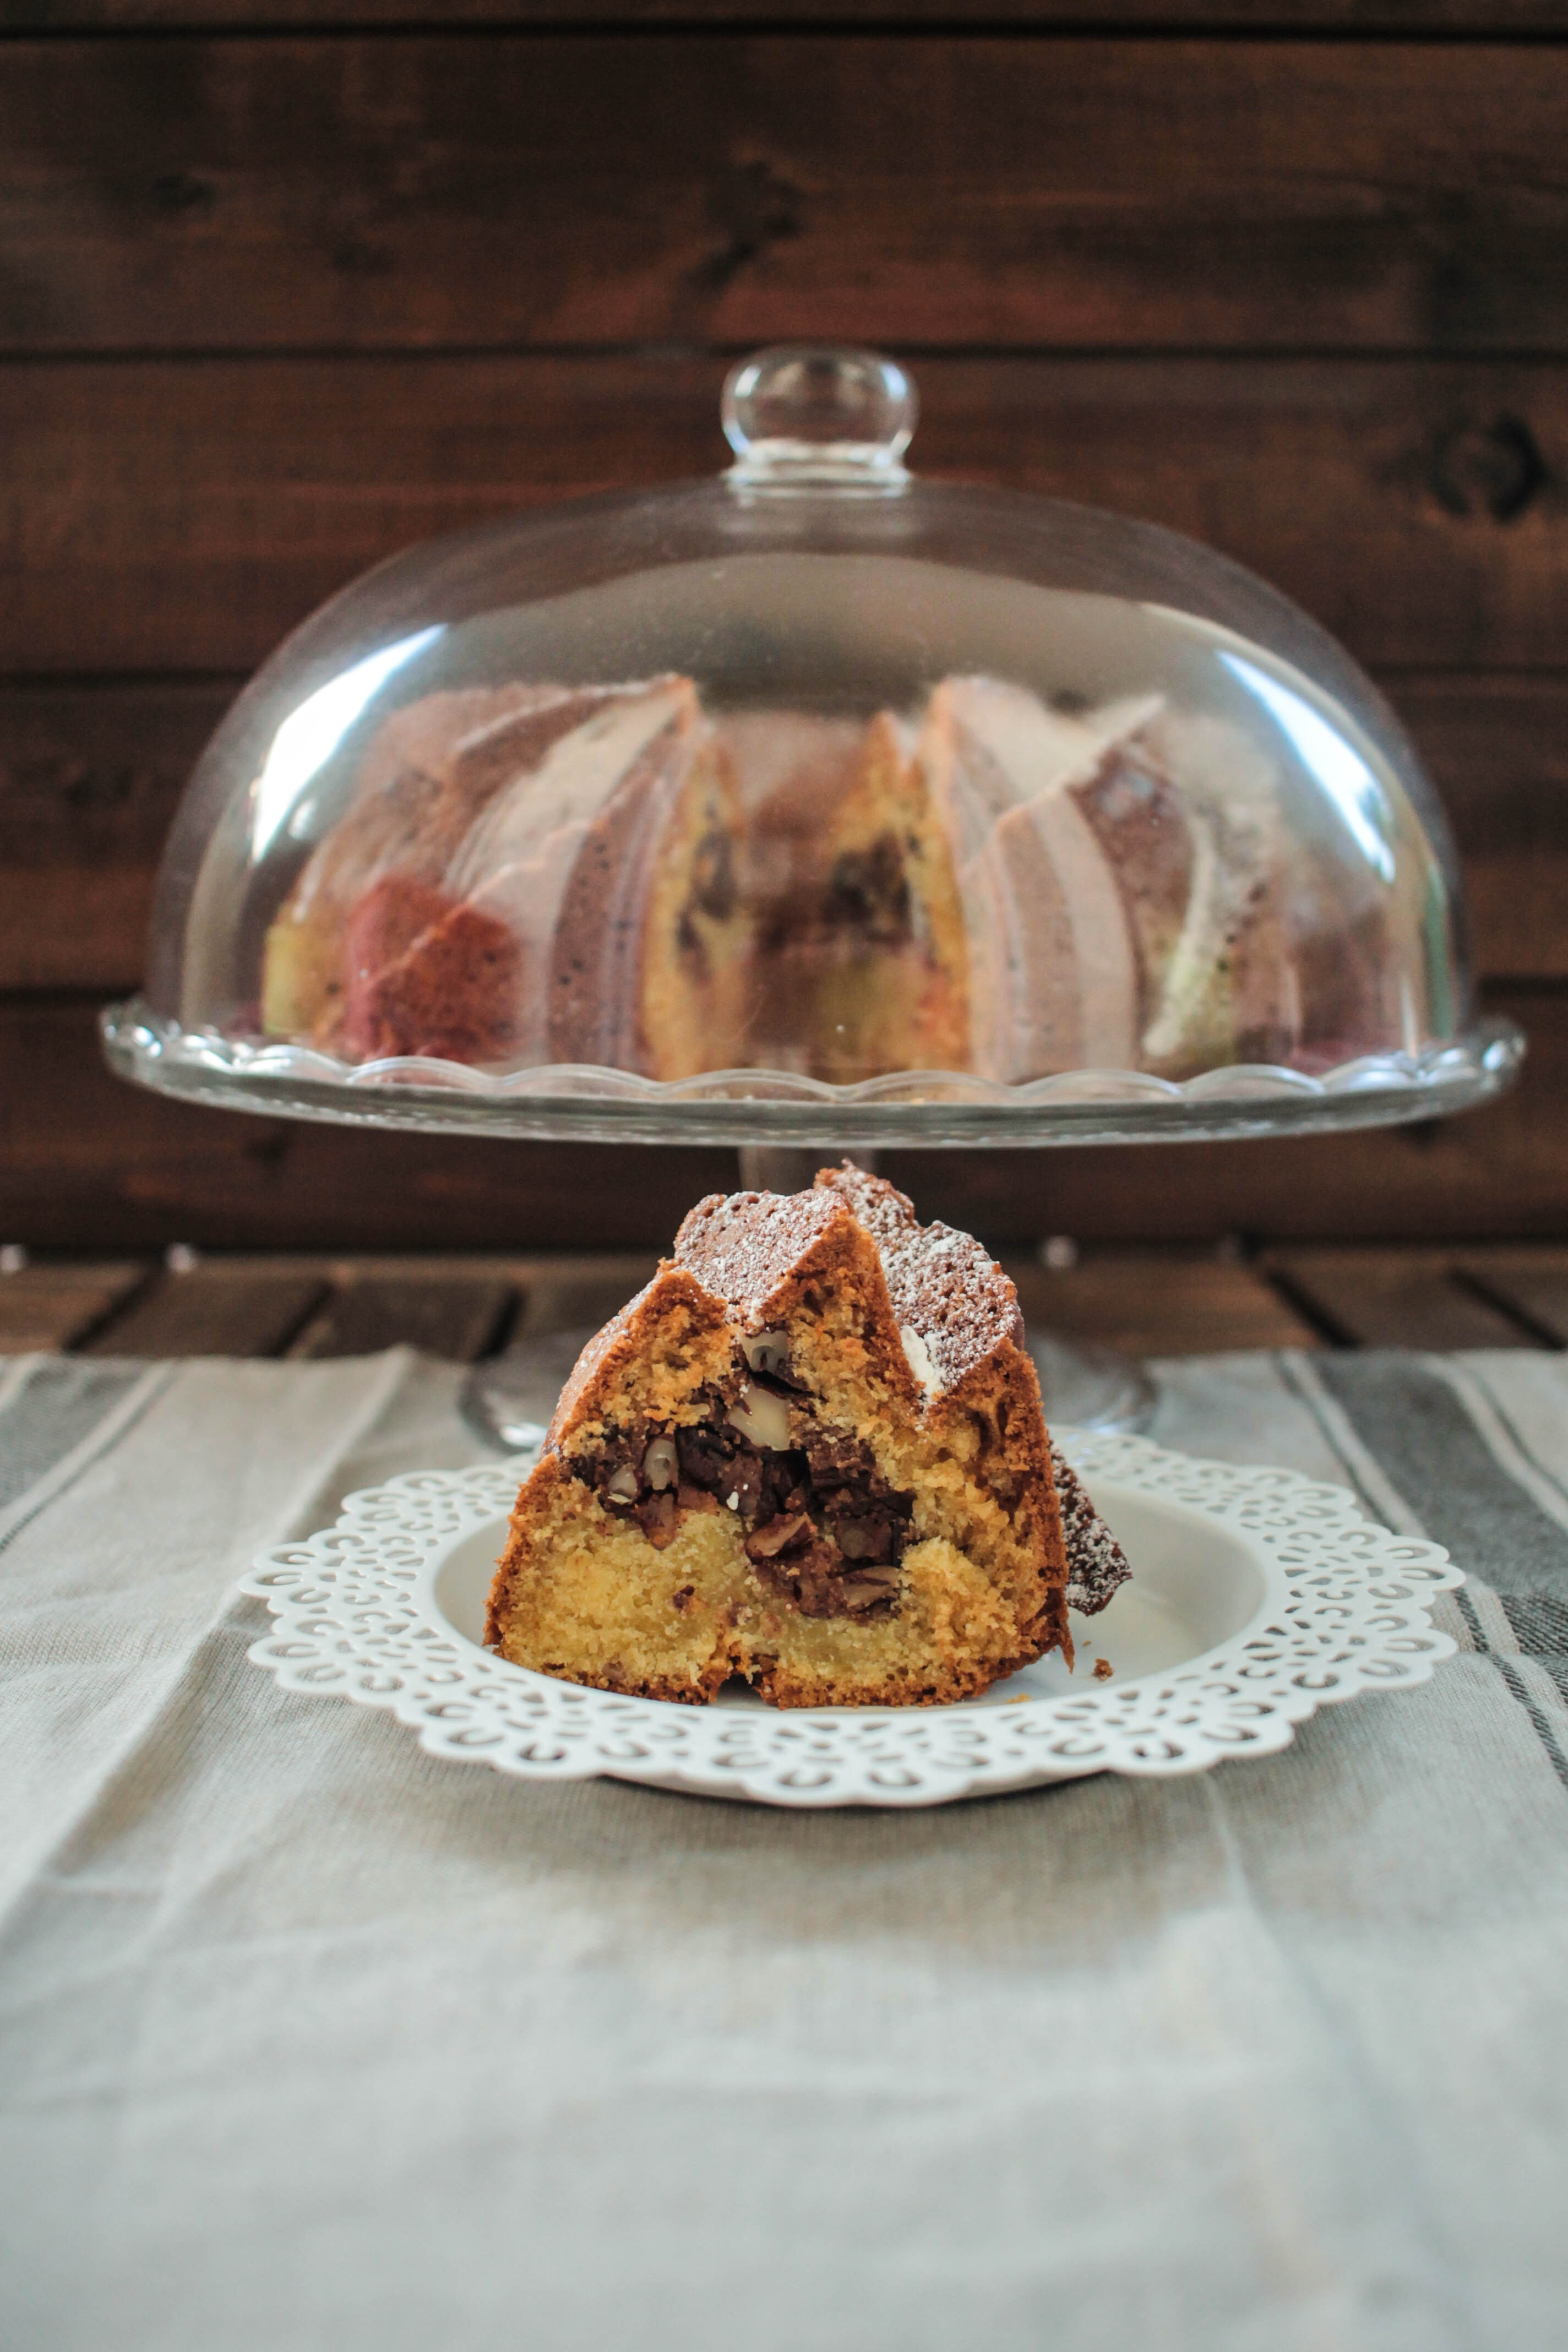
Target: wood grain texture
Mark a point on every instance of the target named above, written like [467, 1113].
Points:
[183, 515]
[1140, 1301]
[532, 189]
[1365, 1298]
[584, 1298]
[1499, 1170]
[1167, 1303]
[458, 1316]
[1462, 20]
[1148, 1305]
[1497, 750]
[90, 775]
[54, 1306]
[276, 307]
[86, 1162]
[210, 1311]
[1530, 1284]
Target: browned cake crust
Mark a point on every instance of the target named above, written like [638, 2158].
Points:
[810, 1453]
[451, 988]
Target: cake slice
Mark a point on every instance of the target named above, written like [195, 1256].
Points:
[1058, 978]
[607, 866]
[892, 988]
[424, 976]
[545, 874]
[859, 956]
[1115, 864]
[426, 773]
[811, 1454]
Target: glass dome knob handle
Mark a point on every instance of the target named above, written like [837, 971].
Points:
[814, 415]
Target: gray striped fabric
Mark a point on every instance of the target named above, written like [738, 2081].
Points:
[54, 1407]
[1469, 1475]
[308, 2039]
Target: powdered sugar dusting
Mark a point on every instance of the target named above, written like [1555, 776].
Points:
[946, 1290]
[945, 1286]
[1097, 1564]
[741, 1245]
[953, 1303]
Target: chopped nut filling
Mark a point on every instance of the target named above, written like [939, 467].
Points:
[767, 1351]
[824, 1530]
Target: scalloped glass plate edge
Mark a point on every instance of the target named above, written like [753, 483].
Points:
[580, 1103]
[1344, 1609]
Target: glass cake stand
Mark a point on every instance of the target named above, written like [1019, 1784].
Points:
[814, 808]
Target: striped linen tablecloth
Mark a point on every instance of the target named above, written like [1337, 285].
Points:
[308, 2039]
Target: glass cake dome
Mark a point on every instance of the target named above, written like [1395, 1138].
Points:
[813, 802]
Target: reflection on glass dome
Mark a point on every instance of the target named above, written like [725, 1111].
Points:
[307, 739]
[814, 772]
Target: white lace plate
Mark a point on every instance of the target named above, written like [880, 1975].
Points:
[1257, 1597]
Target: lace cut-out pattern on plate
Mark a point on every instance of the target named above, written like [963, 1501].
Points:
[1345, 1608]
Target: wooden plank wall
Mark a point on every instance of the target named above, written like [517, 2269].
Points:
[275, 299]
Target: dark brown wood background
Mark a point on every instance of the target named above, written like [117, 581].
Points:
[1292, 274]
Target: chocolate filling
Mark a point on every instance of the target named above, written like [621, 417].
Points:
[823, 1528]
[868, 891]
[713, 891]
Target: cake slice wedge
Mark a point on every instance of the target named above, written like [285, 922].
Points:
[1118, 867]
[532, 873]
[426, 774]
[858, 954]
[811, 1454]
[1056, 970]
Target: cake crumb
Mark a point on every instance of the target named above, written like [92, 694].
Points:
[1103, 1670]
